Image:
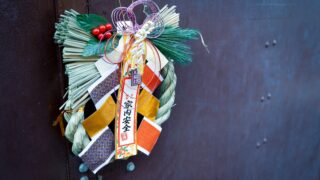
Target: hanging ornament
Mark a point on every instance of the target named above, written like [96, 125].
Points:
[127, 70]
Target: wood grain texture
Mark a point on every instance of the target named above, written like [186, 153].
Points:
[30, 91]
[103, 8]
[79, 5]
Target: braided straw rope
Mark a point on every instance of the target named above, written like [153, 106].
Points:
[167, 93]
[81, 72]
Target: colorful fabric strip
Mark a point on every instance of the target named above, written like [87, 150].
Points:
[147, 135]
[101, 118]
[126, 120]
[104, 87]
[148, 105]
[151, 78]
[99, 151]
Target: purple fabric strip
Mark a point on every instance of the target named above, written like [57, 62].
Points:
[104, 87]
[100, 151]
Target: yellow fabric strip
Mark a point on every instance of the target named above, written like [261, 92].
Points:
[148, 105]
[101, 118]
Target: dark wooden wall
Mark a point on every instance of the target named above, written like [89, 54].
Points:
[248, 110]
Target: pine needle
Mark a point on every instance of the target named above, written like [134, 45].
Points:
[172, 43]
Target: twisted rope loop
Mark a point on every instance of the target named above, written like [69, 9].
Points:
[167, 93]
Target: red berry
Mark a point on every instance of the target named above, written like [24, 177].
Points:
[108, 26]
[95, 31]
[102, 28]
[108, 35]
[100, 37]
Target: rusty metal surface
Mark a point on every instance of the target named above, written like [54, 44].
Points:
[220, 128]
[247, 110]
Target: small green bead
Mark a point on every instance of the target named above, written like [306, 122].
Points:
[83, 168]
[84, 178]
[130, 166]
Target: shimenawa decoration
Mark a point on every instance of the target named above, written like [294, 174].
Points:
[127, 70]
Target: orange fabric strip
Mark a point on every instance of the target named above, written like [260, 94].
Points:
[147, 135]
[150, 79]
[101, 118]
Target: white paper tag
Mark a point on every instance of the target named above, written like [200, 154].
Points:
[127, 113]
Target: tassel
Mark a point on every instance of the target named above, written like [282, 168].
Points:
[59, 120]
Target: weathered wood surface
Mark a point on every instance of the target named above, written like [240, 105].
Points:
[80, 6]
[30, 93]
[219, 119]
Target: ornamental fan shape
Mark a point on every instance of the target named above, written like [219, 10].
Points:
[126, 70]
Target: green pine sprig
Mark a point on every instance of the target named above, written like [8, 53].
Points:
[90, 21]
[172, 43]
